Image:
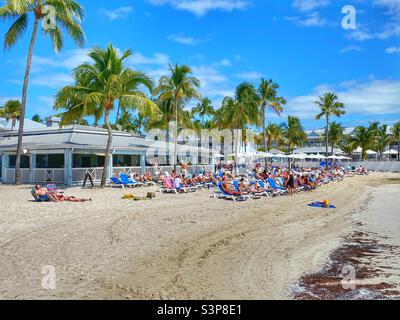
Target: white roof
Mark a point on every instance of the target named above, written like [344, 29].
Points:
[28, 125]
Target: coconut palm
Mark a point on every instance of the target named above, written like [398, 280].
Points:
[273, 132]
[55, 16]
[336, 133]
[364, 138]
[180, 87]
[258, 140]
[293, 134]
[329, 106]
[240, 111]
[203, 109]
[347, 145]
[98, 86]
[382, 138]
[11, 111]
[396, 136]
[268, 95]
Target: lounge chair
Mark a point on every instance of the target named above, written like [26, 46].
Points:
[128, 182]
[169, 188]
[39, 198]
[224, 195]
[116, 182]
[274, 186]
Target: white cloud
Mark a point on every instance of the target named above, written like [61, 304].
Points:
[351, 48]
[159, 59]
[68, 60]
[182, 39]
[52, 80]
[393, 50]
[116, 14]
[309, 5]
[202, 7]
[223, 63]
[392, 6]
[375, 97]
[252, 75]
[310, 20]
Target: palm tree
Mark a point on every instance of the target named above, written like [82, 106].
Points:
[382, 138]
[240, 111]
[68, 16]
[37, 118]
[293, 134]
[98, 86]
[180, 87]
[329, 106]
[347, 145]
[335, 135]
[364, 138]
[203, 109]
[11, 111]
[396, 136]
[258, 140]
[273, 132]
[268, 95]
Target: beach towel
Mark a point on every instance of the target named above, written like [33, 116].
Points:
[130, 196]
[321, 205]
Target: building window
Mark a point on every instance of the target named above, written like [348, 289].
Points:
[24, 164]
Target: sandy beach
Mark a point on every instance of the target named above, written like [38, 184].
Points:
[187, 246]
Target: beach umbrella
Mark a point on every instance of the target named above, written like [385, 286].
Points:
[218, 155]
[390, 152]
[358, 150]
[333, 157]
[319, 156]
[370, 152]
[295, 156]
[276, 152]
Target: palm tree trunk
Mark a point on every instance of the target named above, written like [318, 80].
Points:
[327, 140]
[263, 132]
[398, 150]
[23, 102]
[108, 149]
[176, 134]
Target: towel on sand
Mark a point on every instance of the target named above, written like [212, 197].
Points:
[321, 205]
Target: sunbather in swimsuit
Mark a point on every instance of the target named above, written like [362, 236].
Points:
[56, 197]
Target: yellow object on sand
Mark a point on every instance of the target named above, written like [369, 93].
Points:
[326, 203]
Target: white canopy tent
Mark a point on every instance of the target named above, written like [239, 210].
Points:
[390, 152]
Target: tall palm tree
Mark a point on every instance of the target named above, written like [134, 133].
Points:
[68, 16]
[293, 134]
[396, 136]
[268, 95]
[11, 111]
[99, 85]
[329, 106]
[180, 87]
[382, 138]
[273, 132]
[203, 108]
[239, 111]
[335, 135]
[347, 145]
[258, 140]
[364, 138]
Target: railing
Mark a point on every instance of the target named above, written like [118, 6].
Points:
[79, 174]
[128, 170]
[10, 175]
[48, 175]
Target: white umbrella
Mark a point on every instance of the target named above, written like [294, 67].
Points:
[333, 157]
[319, 156]
[390, 152]
[345, 158]
[294, 156]
[219, 155]
[358, 150]
[370, 152]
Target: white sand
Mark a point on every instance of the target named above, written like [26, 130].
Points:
[174, 247]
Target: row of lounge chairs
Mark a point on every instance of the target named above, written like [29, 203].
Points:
[128, 182]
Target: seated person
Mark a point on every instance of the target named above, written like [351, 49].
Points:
[228, 189]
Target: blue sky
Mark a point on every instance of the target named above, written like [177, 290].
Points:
[300, 44]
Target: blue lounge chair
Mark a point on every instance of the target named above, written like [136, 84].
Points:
[224, 195]
[116, 182]
[128, 182]
[39, 198]
[274, 186]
